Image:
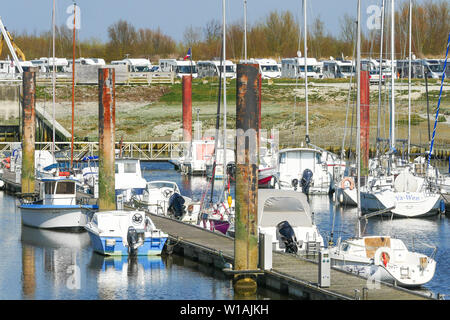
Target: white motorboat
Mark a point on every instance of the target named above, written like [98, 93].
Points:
[57, 206]
[383, 259]
[302, 169]
[121, 232]
[128, 177]
[286, 216]
[158, 196]
[196, 156]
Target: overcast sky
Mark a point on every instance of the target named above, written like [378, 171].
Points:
[172, 16]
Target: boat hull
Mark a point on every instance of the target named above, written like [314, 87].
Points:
[407, 204]
[54, 217]
[390, 274]
[114, 246]
[221, 225]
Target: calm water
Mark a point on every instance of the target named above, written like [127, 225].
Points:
[42, 264]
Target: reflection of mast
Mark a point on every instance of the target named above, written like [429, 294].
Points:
[28, 272]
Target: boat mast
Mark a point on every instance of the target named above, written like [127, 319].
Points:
[381, 74]
[73, 83]
[392, 124]
[306, 73]
[53, 79]
[358, 115]
[245, 30]
[224, 94]
[409, 79]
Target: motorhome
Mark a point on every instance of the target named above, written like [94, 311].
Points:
[180, 67]
[85, 61]
[417, 69]
[46, 64]
[369, 64]
[214, 67]
[295, 68]
[135, 65]
[268, 68]
[338, 69]
[433, 68]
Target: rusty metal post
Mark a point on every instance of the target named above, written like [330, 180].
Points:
[187, 107]
[247, 160]
[365, 122]
[29, 130]
[106, 134]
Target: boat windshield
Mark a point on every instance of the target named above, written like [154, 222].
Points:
[160, 184]
[62, 187]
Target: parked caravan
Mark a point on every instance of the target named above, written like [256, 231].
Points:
[268, 68]
[213, 68]
[180, 67]
[295, 68]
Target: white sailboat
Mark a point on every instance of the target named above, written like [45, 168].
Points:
[381, 258]
[409, 195]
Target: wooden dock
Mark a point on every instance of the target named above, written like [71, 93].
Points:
[290, 274]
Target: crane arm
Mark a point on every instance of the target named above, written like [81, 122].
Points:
[19, 52]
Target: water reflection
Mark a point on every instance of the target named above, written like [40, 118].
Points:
[54, 239]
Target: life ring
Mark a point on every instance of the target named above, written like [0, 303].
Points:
[382, 256]
[350, 180]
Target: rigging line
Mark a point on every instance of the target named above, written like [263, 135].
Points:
[350, 85]
[216, 138]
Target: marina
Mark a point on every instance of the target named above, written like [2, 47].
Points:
[275, 199]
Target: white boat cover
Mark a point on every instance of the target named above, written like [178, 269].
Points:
[276, 205]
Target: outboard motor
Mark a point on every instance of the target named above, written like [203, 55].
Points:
[135, 239]
[306, 180]
[294, 184]
[176, 205]
[287, 236]
[231, 169]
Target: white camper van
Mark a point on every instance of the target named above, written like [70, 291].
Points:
[268, 68]
[180, 67]
[295, 68]
[213, 69]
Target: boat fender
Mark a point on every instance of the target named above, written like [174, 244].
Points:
[442, 206]
[351, 182]
[382, 256]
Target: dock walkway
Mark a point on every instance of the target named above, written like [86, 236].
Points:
[290, 274]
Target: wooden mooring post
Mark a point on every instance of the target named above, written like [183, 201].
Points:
[29, 130]
[247, 159]
[106, 134]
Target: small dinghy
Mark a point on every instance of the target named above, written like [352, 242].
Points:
[122, 233]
